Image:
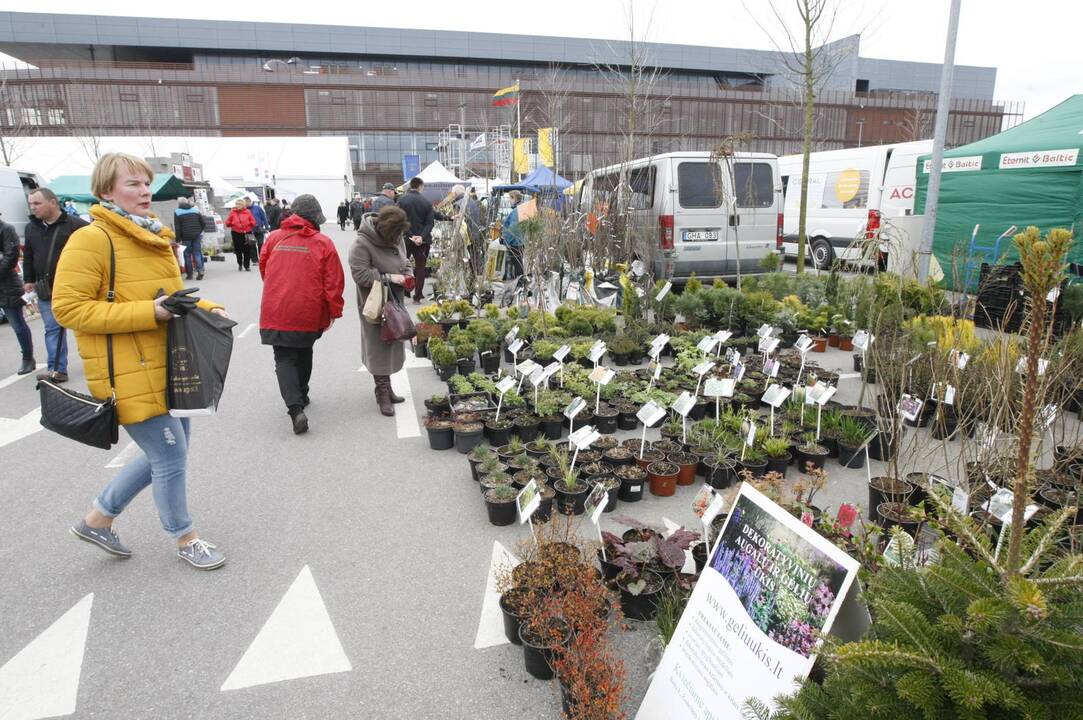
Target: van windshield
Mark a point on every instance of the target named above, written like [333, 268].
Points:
[699, 184]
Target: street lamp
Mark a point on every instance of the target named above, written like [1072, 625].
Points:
[860, 130]
[269, 65]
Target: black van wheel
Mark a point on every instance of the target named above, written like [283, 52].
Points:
[822, 254]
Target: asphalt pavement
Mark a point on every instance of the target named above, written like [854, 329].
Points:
[357, 557]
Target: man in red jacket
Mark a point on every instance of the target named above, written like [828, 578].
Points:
[302, 297]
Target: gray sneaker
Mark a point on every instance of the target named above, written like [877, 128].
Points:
[104, 538]
[202, 554]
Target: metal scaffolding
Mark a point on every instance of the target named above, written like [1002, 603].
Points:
[476, 150]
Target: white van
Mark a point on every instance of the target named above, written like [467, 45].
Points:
[849, 193]
[14, 187]
[683, 205]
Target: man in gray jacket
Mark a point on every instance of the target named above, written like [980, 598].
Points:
[386, 197]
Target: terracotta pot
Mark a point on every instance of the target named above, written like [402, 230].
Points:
[662, 478]
[846, 344]
[687, 464]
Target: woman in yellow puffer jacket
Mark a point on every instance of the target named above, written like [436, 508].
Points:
[136, 320]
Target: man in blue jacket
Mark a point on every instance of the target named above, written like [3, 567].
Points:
[261, 222]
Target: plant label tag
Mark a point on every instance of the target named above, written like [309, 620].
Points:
[750, 434]
[776, 395]
[738, 371]
[718, 503]
[1021, 366]
[862, 340]
[654, 351]
[515, 346]
[506, 384]
[803, 344]
[716, 387]
[703, 368]
[602, 375]
[768, 344]
[960, 501]
[660, 341]
[596, 351]
[944, 393]
[764, 331]
[537, 377]
[528, 500]
[960, 358]
[706, 345]
[650, 413]
[770, 367]
[663, 292]
[1052, 295]
[1048, 414]
[657, 370]
[551, 369]
[910, 407]
[526, 367]
[722, 336]
[683, 404]
[562, 352]
[584, 437]
[595, 503]
[512, 334]
[734, 356]
[574, 407]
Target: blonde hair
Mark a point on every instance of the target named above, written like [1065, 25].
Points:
[239, 202]
[109, 166]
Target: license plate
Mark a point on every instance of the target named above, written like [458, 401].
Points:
[699, 235]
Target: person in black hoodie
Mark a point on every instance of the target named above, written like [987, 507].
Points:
[11, 295]
[343, 214]
[357, 211]
[419, 237]
[188, 227]
[46, 234]
[274, 214]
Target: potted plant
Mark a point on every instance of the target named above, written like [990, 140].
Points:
[662, 477]
[500, 504]
[626, 416]
[852, 435]
[541, 638]
[478, 455]
[490, 465]
[777, 450]
[440, 433]
[639, 594]
[438, 405]
[647, 457]
[526, 427]
[687, 464]
[467, 435]
[811, 452]
[887, 489]
[632, 478]
[605, 420]
[617, 456]
[548, 410]
[539, 448]
[571, 491]
[443, 359]
[754, 462]
[499, 432]
[721, 471]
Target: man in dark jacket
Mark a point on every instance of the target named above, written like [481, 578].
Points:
[357, 211]
[11, 294]
[262, 224]
[274, 214]
[343, 214]
[386, 197]
[46, 234]
[420, 214]
[188, 226]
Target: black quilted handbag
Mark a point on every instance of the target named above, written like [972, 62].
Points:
[81, 417]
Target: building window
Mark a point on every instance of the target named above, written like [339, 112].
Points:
[32, 116]
[56, 116]
[338, 99]
[129, 97]
[431, 100]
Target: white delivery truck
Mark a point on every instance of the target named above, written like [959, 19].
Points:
[850, 193]
[691, 215]
[15, 185]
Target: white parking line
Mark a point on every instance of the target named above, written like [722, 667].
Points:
[12, 429]
[125, 456]
[16, 378]
[246, 331]
[405, 416]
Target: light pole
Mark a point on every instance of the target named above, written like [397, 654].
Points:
[860, 130]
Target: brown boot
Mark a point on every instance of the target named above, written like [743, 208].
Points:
[383, 391]
[391, 393]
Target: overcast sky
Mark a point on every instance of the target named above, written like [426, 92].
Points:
[1032, 44]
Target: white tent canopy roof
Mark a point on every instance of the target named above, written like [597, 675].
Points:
[435, 172]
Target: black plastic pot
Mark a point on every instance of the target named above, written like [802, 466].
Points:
[511, 622]
[527, 431]
[490, 362]
[627, 420]
[467, 441]
[722, 473]
[446, 371]
[545, 507]
[501, 513]
[553, 427]
[757, 467]
[804, 458]
[421, 350]
[538, 658]
[832, 445]
[944, 424]
[880, 448]
[466, 365]
[631, 490]
[778, 464]
[498, 436]
[572, 503]
[441, 438]
[699, 556]
[851, 457]
[606, 424]
[699, 410]
[880, 492]
[619, 359]
[643, 606]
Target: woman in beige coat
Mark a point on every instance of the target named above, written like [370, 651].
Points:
[379, 253]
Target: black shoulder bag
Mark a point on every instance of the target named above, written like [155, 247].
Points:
[81, 417]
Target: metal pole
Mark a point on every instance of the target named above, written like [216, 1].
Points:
[943, 107]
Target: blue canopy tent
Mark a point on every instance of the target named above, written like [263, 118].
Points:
[542, 180]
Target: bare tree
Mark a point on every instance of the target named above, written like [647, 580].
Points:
[809, 61]
[17, 128]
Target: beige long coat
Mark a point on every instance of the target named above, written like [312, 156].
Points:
[371, 256]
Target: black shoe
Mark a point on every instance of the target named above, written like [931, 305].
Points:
[240, 268]
[28, 365]
[300, 422]
[188, 276]
[248, 269]
[199, 276]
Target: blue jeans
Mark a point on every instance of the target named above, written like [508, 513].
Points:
[193, 256]
[56, 338]
[22, 330]
[163, 465]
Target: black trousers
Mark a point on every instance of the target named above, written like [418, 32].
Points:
[357, 223]
[247, 255]
[293, 366]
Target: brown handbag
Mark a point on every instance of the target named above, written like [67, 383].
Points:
[397, 325]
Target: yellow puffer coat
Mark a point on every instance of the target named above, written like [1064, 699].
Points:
[145, 262]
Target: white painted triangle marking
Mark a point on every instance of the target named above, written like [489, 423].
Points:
[491, 626]
[12, 430]
[405, 417]
[11, 379]
[298, 640]
[125, 456]
[689, 561]
[42, 681]
[251, 326]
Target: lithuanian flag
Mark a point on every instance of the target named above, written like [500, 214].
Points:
[506, 96]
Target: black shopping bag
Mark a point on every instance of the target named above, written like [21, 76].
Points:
[199, 347]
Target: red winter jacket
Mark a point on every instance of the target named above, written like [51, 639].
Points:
[240, 220]
[302, 279]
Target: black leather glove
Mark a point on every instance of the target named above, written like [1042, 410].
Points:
[180, 302]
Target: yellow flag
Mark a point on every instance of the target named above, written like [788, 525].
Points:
[521, 156]
[546, 154]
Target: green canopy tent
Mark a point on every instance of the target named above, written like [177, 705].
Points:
[1031, 174]
[77, 187]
